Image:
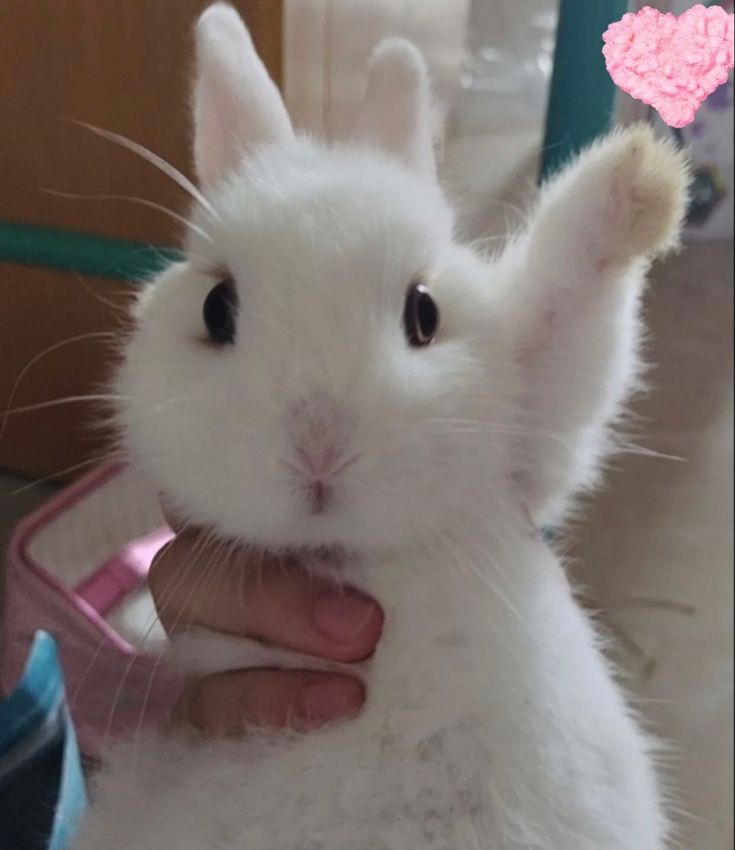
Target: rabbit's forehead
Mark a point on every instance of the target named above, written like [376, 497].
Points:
[331, 215]
[338, 244]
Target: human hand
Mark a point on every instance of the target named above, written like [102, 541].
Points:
[276, 603]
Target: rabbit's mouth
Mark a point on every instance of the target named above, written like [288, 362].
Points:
[319, 496]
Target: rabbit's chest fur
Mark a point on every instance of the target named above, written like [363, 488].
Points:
[492, 722]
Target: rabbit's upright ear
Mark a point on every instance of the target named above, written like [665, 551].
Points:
[237, 107]
[396, 113]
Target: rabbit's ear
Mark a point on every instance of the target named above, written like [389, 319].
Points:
[576, 307]
[237, 107]
[396, 113]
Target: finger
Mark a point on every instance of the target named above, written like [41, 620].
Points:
[269, 601]
[230, 703]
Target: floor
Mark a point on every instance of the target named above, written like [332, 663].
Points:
[656, 548]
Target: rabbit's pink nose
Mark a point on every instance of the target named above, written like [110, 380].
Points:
[319, 460]
[319, 436]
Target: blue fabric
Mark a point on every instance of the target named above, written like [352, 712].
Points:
[42, 788]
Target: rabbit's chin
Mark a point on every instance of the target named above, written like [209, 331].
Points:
[332, 537]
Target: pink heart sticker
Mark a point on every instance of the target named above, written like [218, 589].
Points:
[672, 64]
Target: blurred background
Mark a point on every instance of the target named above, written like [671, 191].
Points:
[654, 552]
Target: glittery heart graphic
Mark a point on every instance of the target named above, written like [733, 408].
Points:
[671, 63]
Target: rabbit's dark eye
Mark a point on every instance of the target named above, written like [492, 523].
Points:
[420, 316]
[220, 312]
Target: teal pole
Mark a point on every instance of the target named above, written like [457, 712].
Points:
[82, 253]
[582, 95]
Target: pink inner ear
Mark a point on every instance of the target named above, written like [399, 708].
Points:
[215, 152]
[238, 108]
[396, 112]
[543, 333]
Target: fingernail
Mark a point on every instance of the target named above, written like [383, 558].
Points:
[342, 617]
[323, 701]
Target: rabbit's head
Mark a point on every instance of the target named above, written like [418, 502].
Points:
[328, 365]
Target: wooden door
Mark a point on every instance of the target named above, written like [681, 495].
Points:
[125, 66]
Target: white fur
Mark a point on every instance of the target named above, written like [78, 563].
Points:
[236, 105]
[396, 111]
[493, 721]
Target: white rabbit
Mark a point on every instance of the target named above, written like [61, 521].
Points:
[360, 381]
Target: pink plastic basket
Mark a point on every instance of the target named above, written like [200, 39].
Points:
[76, 568]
